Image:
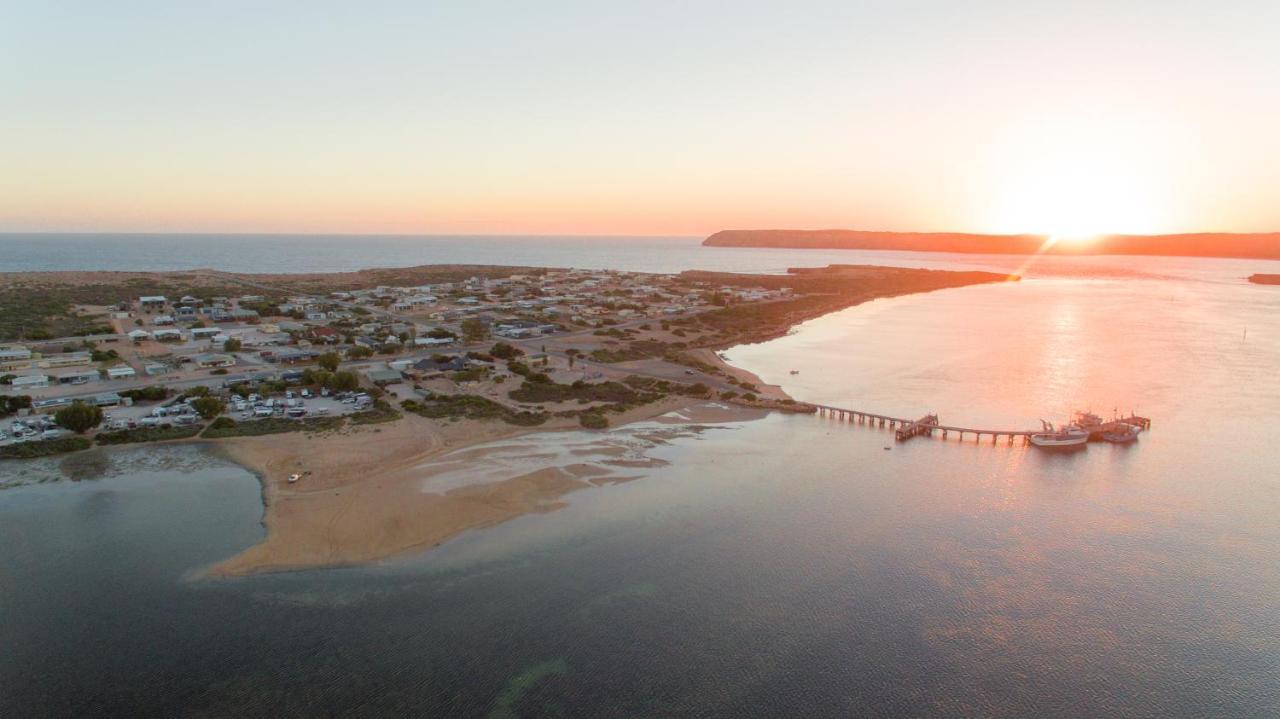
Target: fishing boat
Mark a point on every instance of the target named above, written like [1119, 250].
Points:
[1054, 438]
[294, 477]
[1120, 433]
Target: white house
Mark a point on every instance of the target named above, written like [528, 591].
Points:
[120, 372]
[31, 381]
[139, 335]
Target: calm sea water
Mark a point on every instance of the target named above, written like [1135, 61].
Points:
[784, 567]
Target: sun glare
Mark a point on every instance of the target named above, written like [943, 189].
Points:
[1075, 184]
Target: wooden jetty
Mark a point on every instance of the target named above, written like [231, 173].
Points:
[929, 424]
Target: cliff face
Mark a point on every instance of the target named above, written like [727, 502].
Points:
[1251, 246]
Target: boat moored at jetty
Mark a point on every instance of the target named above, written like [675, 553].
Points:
[1053, 438]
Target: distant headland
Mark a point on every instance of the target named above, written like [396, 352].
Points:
[1264, 246]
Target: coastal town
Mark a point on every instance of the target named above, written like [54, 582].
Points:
[522, 346]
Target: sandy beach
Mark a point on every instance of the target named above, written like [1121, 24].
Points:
[362, 496]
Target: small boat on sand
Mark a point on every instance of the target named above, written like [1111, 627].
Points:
[795, 371]
[1053, 438]
[294, 477]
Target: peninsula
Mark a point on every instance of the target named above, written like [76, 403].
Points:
[339, 390]
[1264, 246]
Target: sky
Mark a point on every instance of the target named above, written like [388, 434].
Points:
[647, 118]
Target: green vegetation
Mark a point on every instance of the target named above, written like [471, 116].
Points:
[505, 351]
[232, 345]
[469, 406]
[154, 393]
[79, 417]
[329, 361]
[10, 405]
[593, 420]
[380, 412]
[637, 350]
[227, 427]
[614, 392]
[345, 381]
[28, 450]
[474, 330]
[43, 311]
[149, 434]
[208, 407]
[359, 352]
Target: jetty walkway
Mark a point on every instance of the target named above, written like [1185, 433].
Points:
[929, 424]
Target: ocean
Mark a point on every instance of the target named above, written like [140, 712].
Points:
[788, 566]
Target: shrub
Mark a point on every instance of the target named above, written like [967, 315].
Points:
[593, 420]
[28, 450]
[149, 434]
[79, 417]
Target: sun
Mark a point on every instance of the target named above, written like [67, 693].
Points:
[1074, 185]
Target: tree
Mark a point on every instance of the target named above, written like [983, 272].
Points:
[505, 351]
[572, 353]
[344, 382]
[208, 407]
[79, 417]
[232, 345]
[359, 352]
[474, 330]
[329, 361]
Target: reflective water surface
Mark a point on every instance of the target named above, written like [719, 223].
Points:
[789, 566]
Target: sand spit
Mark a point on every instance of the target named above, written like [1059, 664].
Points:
[366, 492]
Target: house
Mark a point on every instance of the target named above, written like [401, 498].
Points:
[65, 359]
[83, 376]
[152, 302]
[31, 381]
[139, 335]
[433, 341]
[167, 335]
[327, 335]
[162, 320]
[209, 360]
[10, 353]
[185, 314]
[383, 376]
[121, 371]
[203, 333]
[107, 399]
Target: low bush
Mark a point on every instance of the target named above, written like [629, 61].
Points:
[149, 434]
[30, 450]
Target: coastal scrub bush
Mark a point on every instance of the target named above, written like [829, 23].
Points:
[79, 417]
[28, 450]
[154, 393]
[593, 420]
[149, 434]
[270, 425]
[503, 350]
[468, 406]
[380, 412]
[9, 405]
[208, 407]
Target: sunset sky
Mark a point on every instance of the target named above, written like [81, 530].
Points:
[639, 118]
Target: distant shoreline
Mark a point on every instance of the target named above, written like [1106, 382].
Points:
[1264, 246]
